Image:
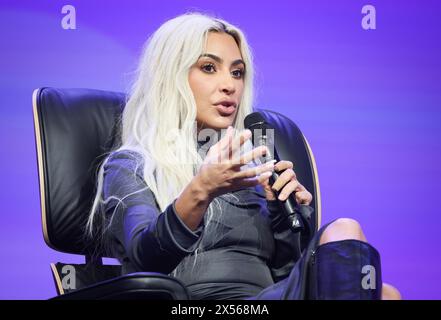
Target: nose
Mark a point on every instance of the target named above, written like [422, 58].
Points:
[227, 85]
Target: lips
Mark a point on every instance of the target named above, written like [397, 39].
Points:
[226, 108]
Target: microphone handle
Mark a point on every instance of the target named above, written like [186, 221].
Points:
[294, 218]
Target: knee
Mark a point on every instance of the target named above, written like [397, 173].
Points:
[348, 224]
[342, 229]
[389, 292]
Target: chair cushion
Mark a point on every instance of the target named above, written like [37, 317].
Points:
[105, 282]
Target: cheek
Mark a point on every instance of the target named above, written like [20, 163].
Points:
[240, 89]
[200, 92]
[200, 87]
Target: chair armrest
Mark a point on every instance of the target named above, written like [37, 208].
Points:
[139, 285]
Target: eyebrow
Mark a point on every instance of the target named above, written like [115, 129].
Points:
[218, 59]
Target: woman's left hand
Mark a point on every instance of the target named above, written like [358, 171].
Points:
[287, 183]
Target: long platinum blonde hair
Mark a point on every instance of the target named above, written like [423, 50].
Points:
[161, 103]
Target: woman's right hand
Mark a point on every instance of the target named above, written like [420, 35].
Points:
[220, 172]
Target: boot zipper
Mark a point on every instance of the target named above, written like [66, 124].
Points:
[313, 257]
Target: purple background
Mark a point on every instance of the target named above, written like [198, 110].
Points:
[369, 102]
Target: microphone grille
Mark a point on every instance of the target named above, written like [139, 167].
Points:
[255, 118]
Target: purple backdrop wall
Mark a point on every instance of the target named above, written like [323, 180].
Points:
[369, 102]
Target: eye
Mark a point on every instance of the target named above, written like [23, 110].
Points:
[239, 73]
[209, 68]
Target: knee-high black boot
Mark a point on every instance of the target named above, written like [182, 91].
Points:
[345, 270]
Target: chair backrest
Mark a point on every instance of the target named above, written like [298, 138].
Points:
[76, 128]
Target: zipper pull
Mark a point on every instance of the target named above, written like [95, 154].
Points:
[313, 257]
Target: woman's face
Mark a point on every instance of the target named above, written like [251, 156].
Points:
[217, 82]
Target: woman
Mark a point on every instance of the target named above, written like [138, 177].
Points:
[201, 210]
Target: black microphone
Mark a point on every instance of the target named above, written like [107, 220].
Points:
[263, 134]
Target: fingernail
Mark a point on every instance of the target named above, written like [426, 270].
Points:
[282, 196]
[266, 174]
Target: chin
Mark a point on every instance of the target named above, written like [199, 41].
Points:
[216, 121]
[220, 122]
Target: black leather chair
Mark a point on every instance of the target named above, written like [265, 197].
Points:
[74, 130]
